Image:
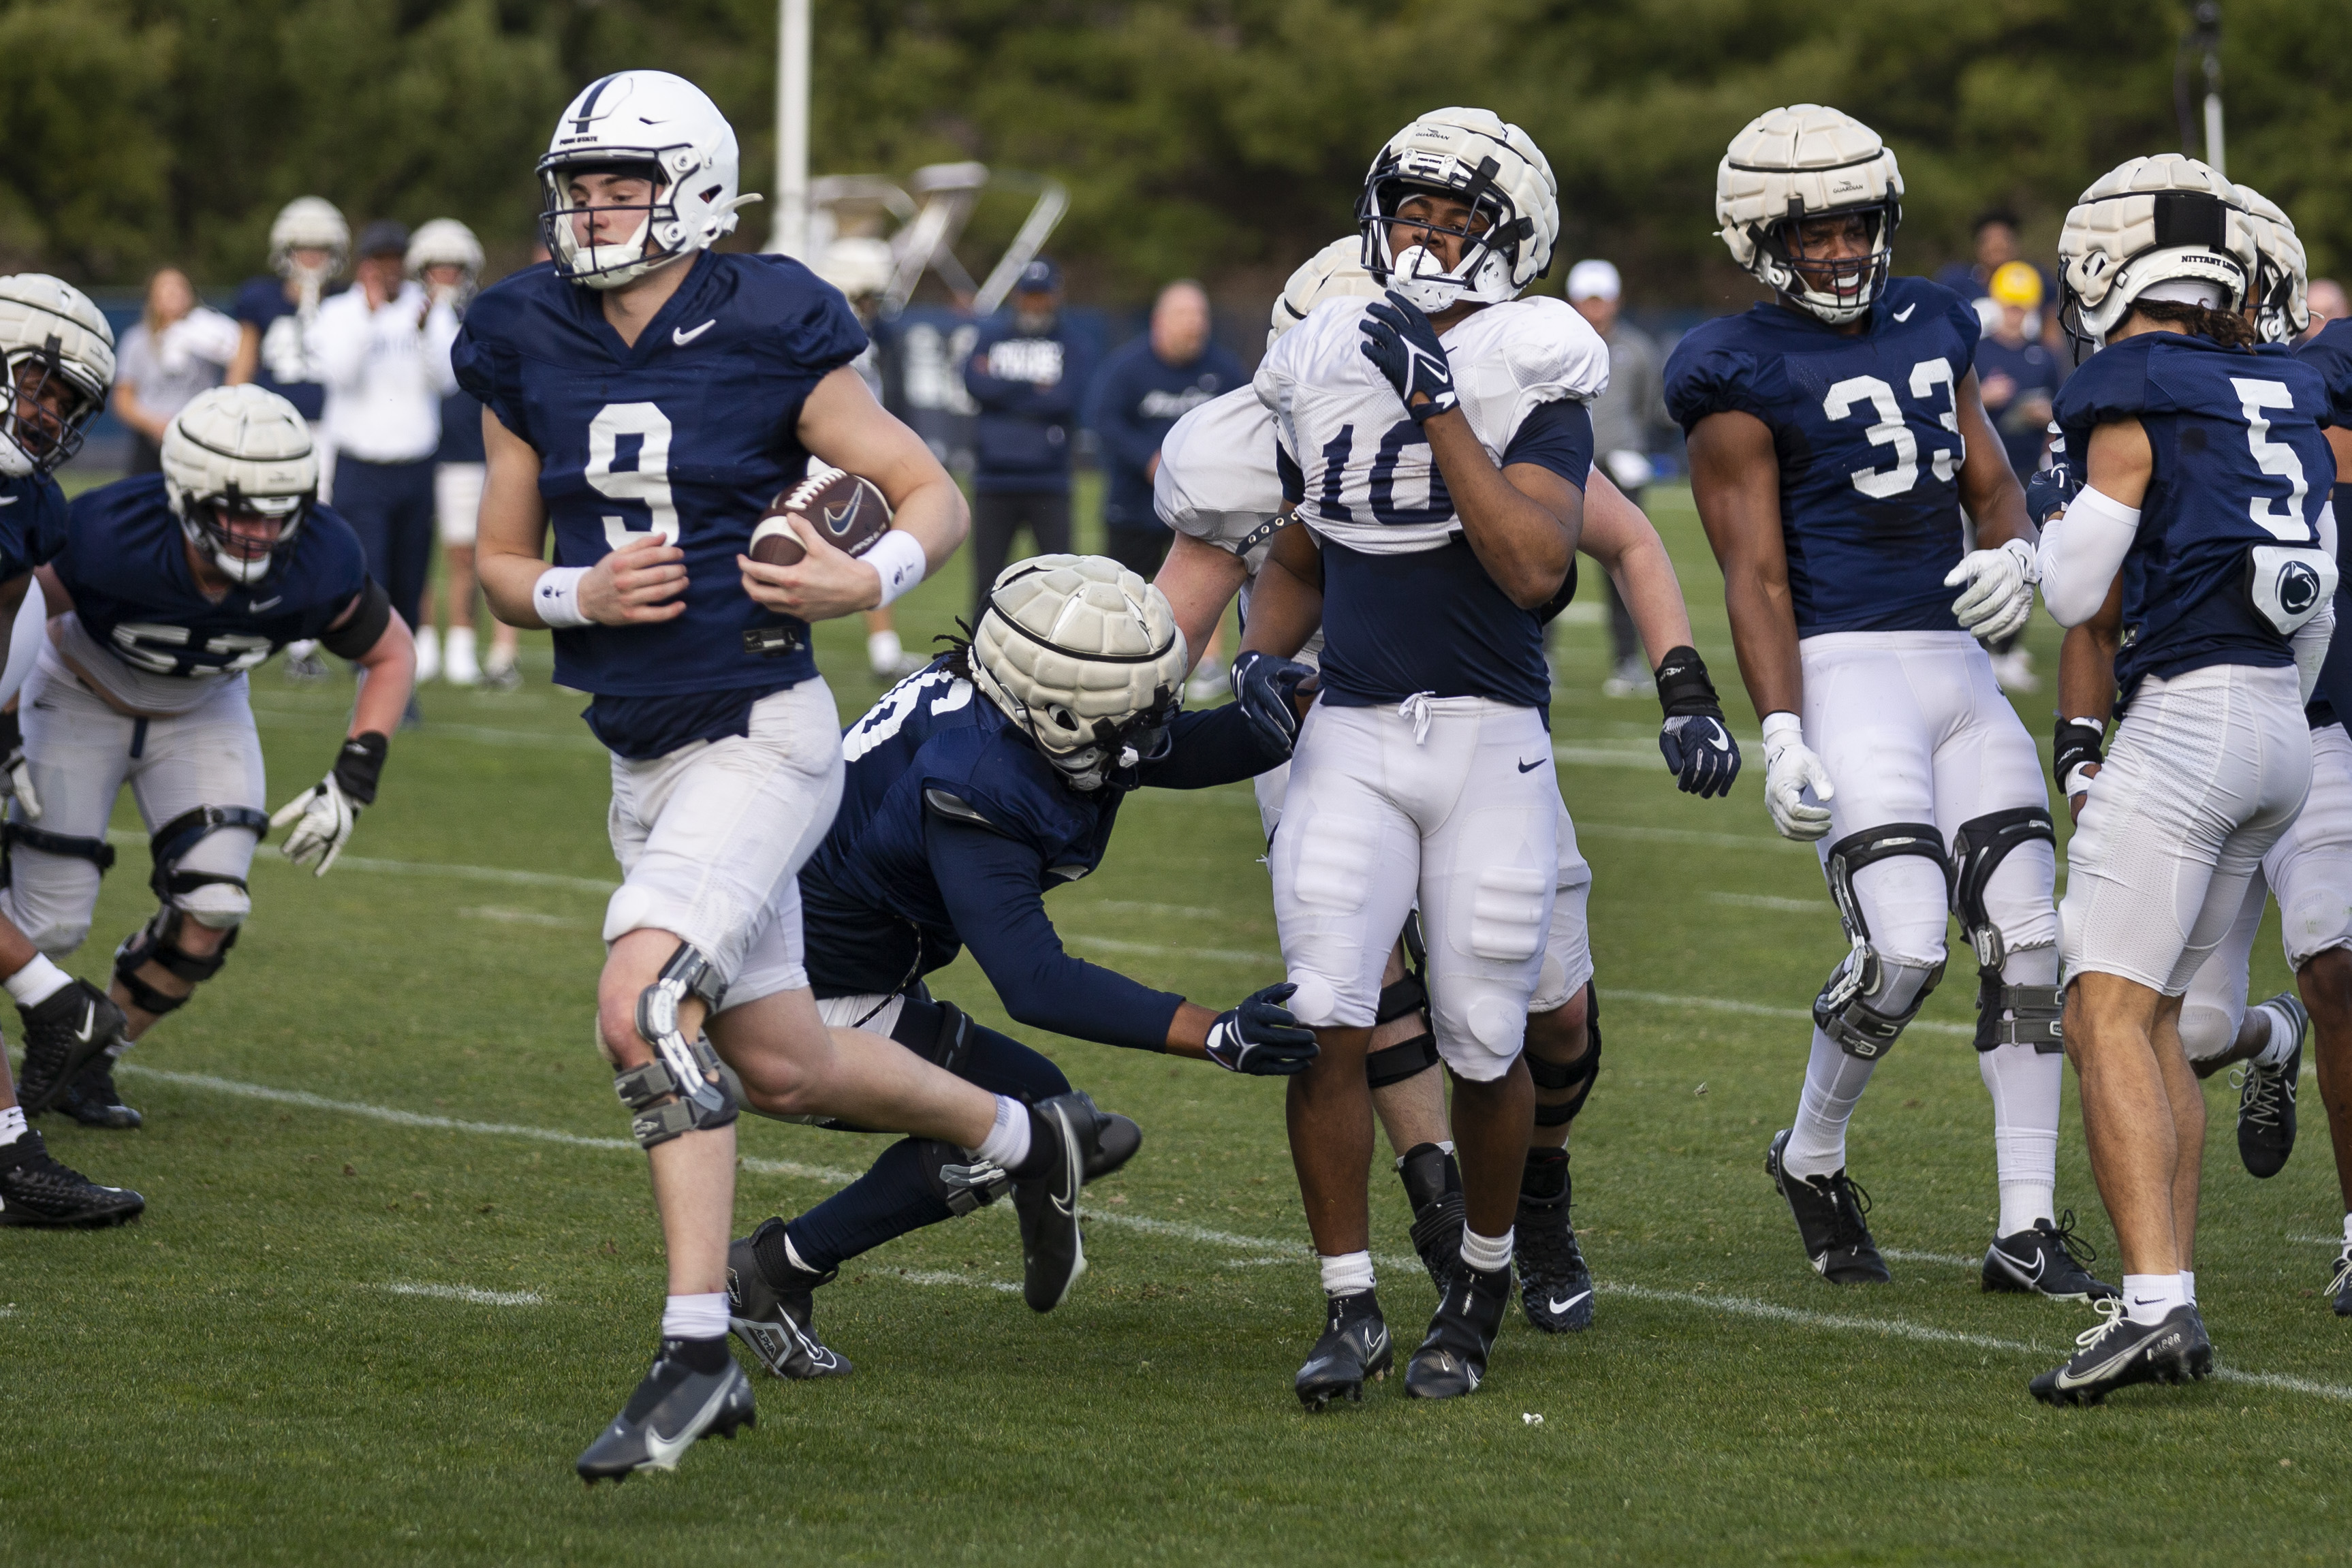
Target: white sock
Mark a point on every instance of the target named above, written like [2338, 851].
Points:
[36, 982]
[1445, 1145]
[2026, 1087]
[883, 651]
[1347, 1273]
[2283, 1039]
[1833, 1084]
[1487, 1253]
[429, 653]
[457, 652]
[2188, 1284]
[11, 1124]
[694, 1317]
[1007, 1143]
[2347, 1229]
[2149, 1296]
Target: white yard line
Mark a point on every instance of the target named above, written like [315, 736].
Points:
[424, 869]
[1684, 835]
[1767, 902]
[466, 1293]
[1268, 954]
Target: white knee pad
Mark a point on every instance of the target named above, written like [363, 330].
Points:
[2208, 1030]
[2318, 919]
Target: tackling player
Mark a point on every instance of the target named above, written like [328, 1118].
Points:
[1835, 434]
[1219, 489]
[1435, 443]
[2198, 540]
[167, 589]
[971, 794]
[646, 396]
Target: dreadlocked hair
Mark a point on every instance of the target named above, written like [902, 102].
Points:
[959, 662]
[2226, 328]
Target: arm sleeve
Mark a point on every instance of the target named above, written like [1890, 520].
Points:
[1215, 746]
[2081, 551]
[989, 883]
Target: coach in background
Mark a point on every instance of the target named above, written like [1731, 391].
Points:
[1025, 374]
[384, 353]
[178, 349]
[1626, 420]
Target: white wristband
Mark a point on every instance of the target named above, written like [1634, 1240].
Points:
[555, 597]
[898, 555]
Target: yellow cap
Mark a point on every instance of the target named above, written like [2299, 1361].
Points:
[2017, 283]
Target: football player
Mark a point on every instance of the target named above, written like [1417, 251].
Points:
[1835, 434]
[2203, 544]
[974, 786]
[168, 588]
[2311, 864]
[59, 356]
[646, 396]
[1218, 489]
[1435, 443]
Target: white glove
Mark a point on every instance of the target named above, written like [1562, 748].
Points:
[321, 817]
[1790, 769]
[1998, 595]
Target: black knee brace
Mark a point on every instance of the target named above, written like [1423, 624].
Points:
[1979, 846]
[173, 842]
[1577, 1075]
[673, 1094]
[1841, 1011]
[1406, 1058]
[943, 1037]
[157, 942]
[97, 851]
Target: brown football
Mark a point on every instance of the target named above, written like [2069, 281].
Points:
[844, 511]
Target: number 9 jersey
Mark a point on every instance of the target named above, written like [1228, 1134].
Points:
[1867, 432]
[687, 433]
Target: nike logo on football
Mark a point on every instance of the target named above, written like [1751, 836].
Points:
[1557, 1305]
[1905, 314]
[682, 336]
[1530, 767]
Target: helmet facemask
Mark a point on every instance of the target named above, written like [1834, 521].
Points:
[247, 560]
[50, 408]
[1142, 739]
[1490, 238]
[654, 241]
[1837, 289]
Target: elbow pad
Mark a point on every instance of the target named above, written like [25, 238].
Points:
[2080, 553]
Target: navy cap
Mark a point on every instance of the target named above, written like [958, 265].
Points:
[1040, 277]
[385, 237]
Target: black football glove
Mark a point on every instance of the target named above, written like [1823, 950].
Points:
[1403, 346]
[2053, 489]
[1265, 688]
[1260, 1037]
[1695, 740]
[2079, 743]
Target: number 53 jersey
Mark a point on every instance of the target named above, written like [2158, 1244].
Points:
[1867, 432]
[688, 434]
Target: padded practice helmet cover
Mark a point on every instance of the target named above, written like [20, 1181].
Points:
[1335, 272]
[1477, 155]
[1075, 649]
[1806, 161]
[48, 319]
[2282, 283]
[2149, 221]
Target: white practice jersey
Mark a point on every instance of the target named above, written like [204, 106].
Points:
[1369, 479]
[1218, 482]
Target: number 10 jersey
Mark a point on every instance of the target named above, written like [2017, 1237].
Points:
[1867, 431]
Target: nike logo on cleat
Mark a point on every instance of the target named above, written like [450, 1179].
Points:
[1905, 314]
[1530, 767]
[682, 336]
[1557, 1305]
[88, 1021]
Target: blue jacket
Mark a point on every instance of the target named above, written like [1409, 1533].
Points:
[1026, 385]
[1137, 396]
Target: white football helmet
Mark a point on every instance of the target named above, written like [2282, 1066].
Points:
[1084, 655]
[243, 451]
[309, 223]
[446, 242]
[2283, 280]
[61, 357]
[859, 265]
[1808, 161]
[1335, 272]
[2147, 224]
[664, 127]
[1475, 156]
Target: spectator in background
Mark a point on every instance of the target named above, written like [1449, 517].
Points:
[862, 267]
[2018, 377]
[1627, 420]
[1024, 375]
[382, 352]
[308, 243]
[447, 259]
[2327, 303]
[1994, 238]
[178, 349]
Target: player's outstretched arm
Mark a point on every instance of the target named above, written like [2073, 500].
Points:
[2083, 548]
[1286, 606]
[388, 668]
[1199, 581]
[1736, 481]
[1988, 486]
[1622, 540]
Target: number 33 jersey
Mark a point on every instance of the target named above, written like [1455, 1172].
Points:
[1867, 432]
[688, 433]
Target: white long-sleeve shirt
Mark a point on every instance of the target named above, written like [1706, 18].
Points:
[384, 374]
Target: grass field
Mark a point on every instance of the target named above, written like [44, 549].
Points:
[399, 1262]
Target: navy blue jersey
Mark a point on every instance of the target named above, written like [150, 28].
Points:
[125, 561]
[1136, 399]
[2031, 372]
[2239, 462]
[2329, 352]
[1867, 432]
[689, 434]
[1027, 386]
[32, 523]
[284, 367]
[952, 827]
[461, 430]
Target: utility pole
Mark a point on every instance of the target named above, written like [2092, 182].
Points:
[2203, 38]
[790, 236]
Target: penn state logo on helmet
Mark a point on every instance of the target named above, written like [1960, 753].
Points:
[2167, 228]
[1491, 166]
[240, 474]
[2283, 280]
[1084, 655]
[60, 358]
[675, 158]
[1335, 272]
[1790, 167]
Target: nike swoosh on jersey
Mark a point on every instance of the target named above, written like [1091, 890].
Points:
[269, 603]
[1905, 314]
[682, 336]
[10, 500]
[1530, 767]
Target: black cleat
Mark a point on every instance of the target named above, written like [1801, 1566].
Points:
[2047, 1260]
[1830, 1211]
[63, 1035]
[1555, 1286]
[2340, 1286]
[38, 1191]
[2119, 1352]
[1453, 1359]
[1053, 1254]
[777, 1323]
[93, 1100]
[1433, 1185]
[1117, 1138]
[672, 1408]
[2266, 1098]
[1354, 1349]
